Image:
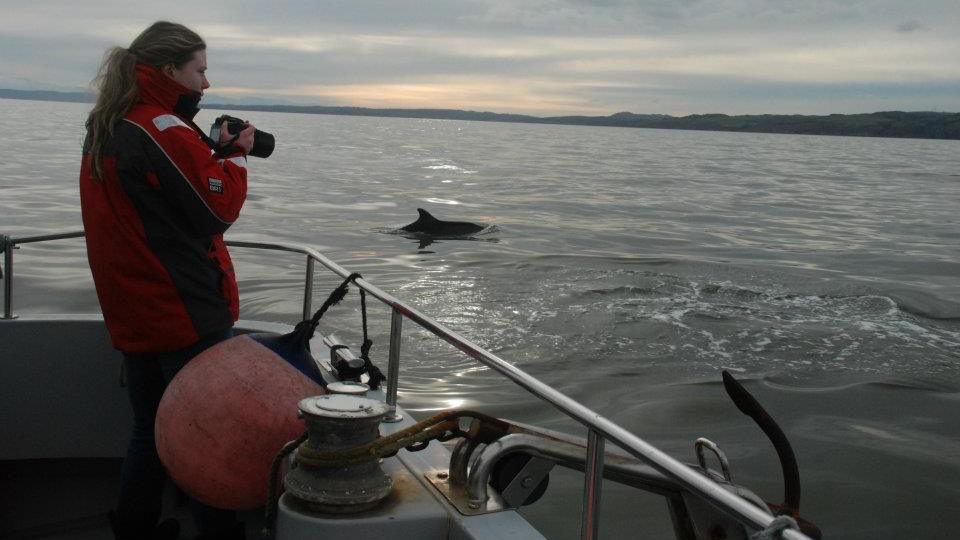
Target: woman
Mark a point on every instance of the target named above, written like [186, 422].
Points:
[156, 200]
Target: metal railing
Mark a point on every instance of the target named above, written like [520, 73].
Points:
[599, 428]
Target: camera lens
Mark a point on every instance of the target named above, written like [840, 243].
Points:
[263, 144]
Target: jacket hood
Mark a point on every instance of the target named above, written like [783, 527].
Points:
[160, 90]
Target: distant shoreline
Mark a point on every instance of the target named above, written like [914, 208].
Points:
[894, 124]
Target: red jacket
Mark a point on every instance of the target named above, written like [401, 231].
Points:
[154, 223]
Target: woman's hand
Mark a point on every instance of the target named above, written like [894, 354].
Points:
[244, 141]
[246, 138]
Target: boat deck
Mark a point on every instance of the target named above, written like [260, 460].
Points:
[68, 499]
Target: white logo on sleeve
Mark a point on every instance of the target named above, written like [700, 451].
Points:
[165, 121]
[216, 185]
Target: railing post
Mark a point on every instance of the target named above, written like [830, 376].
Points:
[8, 248]
[592, 484]
[393, 368]
[308, 290]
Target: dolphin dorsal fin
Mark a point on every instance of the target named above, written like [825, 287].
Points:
[425, 216]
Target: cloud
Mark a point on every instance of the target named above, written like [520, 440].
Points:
[536, 56]
[877, 59]
[481, 93]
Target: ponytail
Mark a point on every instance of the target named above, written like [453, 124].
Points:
[117, 93]
[161, 44]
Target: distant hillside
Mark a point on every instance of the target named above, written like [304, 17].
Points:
[920, 125]
[47, 95]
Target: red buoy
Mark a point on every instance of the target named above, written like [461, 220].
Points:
[224, 418]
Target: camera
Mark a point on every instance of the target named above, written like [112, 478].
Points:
[263, 142]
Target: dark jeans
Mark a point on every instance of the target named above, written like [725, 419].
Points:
[143, 476]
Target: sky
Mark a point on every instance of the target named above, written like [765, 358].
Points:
[539, 57]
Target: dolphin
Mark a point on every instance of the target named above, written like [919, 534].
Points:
[431, 226]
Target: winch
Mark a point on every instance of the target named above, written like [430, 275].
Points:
[338, 422]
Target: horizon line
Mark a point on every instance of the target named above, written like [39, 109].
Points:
[89, 98]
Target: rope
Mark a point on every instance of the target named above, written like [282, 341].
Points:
[379, 449]
[273, 489]
[335, 297]
[774, 531]
[343, 371]
[442, 427]
[367, 343]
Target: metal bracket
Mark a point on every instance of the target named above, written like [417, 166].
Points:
[457, 496]
[721, 457]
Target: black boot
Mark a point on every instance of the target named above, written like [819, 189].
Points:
[168, 529]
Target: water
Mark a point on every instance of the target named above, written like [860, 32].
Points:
[627, 267]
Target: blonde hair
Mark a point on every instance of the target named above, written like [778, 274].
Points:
[161, 44]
